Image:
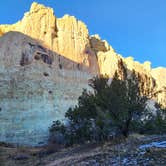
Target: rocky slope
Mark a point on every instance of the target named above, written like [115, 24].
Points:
[45, 64]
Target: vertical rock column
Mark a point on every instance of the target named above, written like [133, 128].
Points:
[39, 23]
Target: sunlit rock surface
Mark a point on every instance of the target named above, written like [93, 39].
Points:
[67, 36]
[45, 65]
[159, 74]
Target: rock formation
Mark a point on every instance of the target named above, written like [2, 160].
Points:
[67, 36]
[36, 87]
[45, 64]
[159, 74]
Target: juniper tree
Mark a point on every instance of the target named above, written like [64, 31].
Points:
[121, 99]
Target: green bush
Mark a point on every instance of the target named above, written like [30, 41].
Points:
[57, 132]
[155, 125]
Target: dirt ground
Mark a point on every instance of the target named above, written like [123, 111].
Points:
[120, 152]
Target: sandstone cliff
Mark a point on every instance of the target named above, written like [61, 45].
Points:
[45, 64]
[36, 87]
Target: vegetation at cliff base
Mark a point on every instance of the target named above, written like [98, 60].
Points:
[114, 107]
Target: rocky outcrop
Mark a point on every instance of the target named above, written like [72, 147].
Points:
[159, 74]
[39, 23]
[152, 82]
[67, 36]
[99, 45]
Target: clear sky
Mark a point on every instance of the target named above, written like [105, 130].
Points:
[133, 27]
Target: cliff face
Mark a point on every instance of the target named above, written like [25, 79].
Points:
[37, 86]
[45, 65]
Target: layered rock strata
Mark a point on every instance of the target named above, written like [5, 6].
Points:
[37, 86]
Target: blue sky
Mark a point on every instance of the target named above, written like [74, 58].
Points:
[133, 27]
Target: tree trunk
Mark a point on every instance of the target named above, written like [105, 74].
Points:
[125, 129]
[125, 132]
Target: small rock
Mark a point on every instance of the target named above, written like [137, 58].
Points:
[21, 157]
